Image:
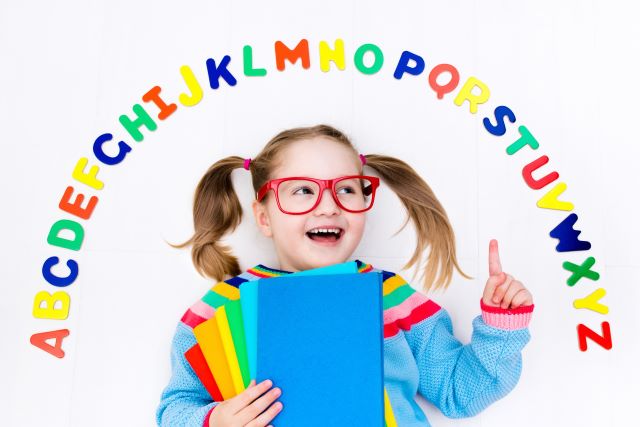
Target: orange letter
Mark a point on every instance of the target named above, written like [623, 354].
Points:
[283, 52]
[40, 341]
[76, 208]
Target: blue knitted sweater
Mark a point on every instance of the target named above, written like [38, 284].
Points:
[421, 354]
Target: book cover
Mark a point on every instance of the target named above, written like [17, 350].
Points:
[320, 339]
[249, 304]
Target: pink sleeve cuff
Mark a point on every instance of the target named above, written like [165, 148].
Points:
[509, 319]
[206, 418]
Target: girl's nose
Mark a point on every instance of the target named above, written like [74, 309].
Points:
[327, 205]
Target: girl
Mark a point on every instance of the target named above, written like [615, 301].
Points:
[317, 219]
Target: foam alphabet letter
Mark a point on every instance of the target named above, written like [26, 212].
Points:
[154, 96]
[301, 51]
[66, 224]
[525, 139]
[90, 178]
[133, 126]
[550, 200]
[580, 271]
[500, 113]
[403, 65]
[592, 302]
[192, 85]
[49, 311]
[603, 340]
[442, 90]
[527, 174]
[40, 341]
[466, 94]
[336, 55]
[568, 236]
[217, 71]
[378, 58]
[123, 149]
[58, 281]
[76, 208]
[247, 57]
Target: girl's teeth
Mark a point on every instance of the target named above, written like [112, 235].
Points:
[325, 230]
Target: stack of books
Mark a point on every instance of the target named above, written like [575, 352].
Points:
[317, 334]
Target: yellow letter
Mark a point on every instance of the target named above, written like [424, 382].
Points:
[90, 178]
[466, 94]
[336, 55]
[550, 200]
[591, 302]
[193, 85]
[50, 311]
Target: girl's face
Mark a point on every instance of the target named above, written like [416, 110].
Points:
[321, 158]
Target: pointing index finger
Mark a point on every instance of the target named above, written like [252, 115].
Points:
[495, 267]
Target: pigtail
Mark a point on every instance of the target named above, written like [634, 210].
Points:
[429, 217]
[216, 212]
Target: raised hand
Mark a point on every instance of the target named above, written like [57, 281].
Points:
[502, 290]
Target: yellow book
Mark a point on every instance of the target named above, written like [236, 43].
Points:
[208, 336]
[229, 349]
[389, 419]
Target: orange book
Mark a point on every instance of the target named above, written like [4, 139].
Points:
[199, 365]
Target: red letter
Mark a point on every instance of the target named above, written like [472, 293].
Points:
[536, 184]
[40, 341]
[603, 340]
[442, 90]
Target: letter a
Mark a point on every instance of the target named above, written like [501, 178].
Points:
[40, 341]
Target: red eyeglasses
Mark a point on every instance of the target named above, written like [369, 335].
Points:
[299, 195]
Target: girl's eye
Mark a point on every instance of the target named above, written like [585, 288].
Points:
[349, 190]
[303, 190]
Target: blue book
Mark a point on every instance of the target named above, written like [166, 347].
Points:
[249, 303]
[320, 339]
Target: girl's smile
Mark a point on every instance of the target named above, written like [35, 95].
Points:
[325, 235]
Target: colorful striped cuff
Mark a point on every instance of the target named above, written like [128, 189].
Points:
[503, 318]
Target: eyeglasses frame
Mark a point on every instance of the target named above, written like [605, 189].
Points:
[324, 184]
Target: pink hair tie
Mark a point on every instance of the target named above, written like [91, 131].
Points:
[246, 163]
[363, 159]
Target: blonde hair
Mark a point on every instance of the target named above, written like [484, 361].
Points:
[217, 210]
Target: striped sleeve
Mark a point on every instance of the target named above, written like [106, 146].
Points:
[403, 306]
[217, 296]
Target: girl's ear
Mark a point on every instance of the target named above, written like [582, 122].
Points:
[262, 218]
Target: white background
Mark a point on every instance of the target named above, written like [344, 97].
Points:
[567, 69]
